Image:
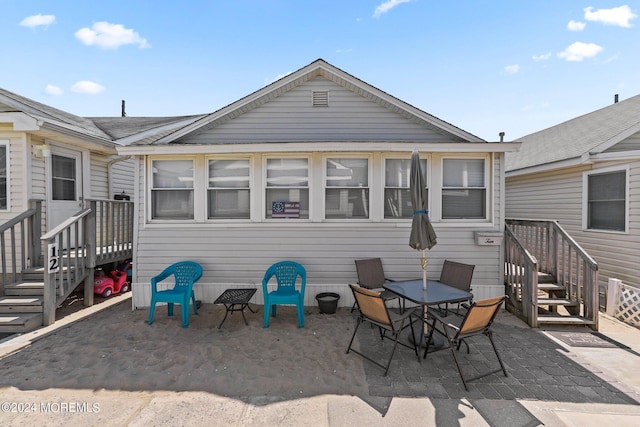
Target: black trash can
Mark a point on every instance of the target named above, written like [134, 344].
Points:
[328, 302]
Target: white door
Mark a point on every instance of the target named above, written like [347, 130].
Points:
[64, 185]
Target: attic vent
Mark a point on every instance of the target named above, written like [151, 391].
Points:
[320, 98]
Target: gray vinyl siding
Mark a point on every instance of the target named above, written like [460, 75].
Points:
[99, 176]
[629, 144]
[291, 118]
[122, 177]
[558, 196]
[237, 255]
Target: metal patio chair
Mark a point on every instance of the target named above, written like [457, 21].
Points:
[373, 308]
[477, 321]
[456, 275]
[371, 276]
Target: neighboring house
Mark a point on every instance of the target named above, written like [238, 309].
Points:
[585, 174]
[314, 168]
[62, 159]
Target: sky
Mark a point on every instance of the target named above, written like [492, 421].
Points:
[484, 66]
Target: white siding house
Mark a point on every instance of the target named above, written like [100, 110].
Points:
[336, 151]
[62, 160]
[585, 173]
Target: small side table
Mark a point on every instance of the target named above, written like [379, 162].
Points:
[235, 300]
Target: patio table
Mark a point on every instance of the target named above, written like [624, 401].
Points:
[235, 300]
[435, 294]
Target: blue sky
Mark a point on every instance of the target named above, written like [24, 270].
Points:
[484, 66]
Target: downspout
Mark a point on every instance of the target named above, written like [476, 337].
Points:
[111, 163]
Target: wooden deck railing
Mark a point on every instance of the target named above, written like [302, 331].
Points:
[99, 234]
[521, 278]
[24, 249]
[559, 255]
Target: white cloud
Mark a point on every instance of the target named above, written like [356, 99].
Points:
[579, 51]
[512, 69]
[87, 87]
[543, 57]
[387, 6]
[576, 26]
[38, 21]
[618, 16]
[110, 36]
[53, 90]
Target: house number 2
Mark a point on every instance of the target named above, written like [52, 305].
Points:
[54, 258]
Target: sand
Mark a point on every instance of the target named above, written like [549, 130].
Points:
[117, 350]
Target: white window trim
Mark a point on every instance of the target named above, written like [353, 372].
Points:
[6, 143]
[383, 185]
[199, 207]
[251, 189]
[488, 186]
[370, 167]
[263, 209]
[585, 198]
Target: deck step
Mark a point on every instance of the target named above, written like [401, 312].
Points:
[21, 304]
[25, 288]
[558, 301]
[20, 323]
[558, 319]
[551, 287]
[29, 288]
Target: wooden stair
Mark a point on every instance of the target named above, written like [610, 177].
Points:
[21, 306]
[554, 308]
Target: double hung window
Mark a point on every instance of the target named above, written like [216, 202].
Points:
[607, 201]
[464, 191]
[172, 189]
[347, 188]
[228, 193]
[397, 197]
[287, 188]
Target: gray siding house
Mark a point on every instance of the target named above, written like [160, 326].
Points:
[585, 174]
[314, 168]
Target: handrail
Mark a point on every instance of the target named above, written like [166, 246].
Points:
[17, 219]
[30, 227]
[521, 277]
[560, 256]
[65, 224]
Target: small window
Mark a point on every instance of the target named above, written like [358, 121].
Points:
[172, 189]
[464, 193]
[63, 177]
[4, 176]
[607, 201]
[229, 190]
[287, 188]
[397, 197]
[347, 188]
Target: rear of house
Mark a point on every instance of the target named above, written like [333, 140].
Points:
[314, 168]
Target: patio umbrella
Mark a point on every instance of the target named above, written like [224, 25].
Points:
[422, 234]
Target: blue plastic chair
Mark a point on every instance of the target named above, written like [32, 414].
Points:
[286, 273]
[185, 274]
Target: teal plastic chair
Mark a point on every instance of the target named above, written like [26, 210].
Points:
[185, 274]
[286, 273]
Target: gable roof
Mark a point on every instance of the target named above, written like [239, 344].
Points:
[591, 133]
[318, 68]
[110, 130]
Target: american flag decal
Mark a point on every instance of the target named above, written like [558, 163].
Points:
[285, 210]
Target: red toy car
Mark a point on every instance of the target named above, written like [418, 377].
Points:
[115, 283]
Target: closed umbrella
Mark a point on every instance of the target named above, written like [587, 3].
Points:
[422, 234]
